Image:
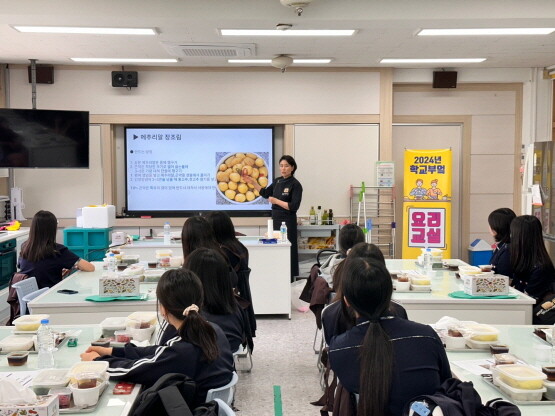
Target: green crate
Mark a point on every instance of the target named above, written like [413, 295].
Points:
[88, 243]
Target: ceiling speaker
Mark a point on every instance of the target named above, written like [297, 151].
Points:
[125, 79]
[44, 74]
[445, 79]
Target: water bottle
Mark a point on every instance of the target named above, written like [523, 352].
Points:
[427, 260]
[45, 345]
[283, 232]
[167, 234]
[111, 262]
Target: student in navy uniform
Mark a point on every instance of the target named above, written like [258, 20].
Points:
[43, 258]
[385, 359]
[197, 233]
[285, 194]
[533, 271]
[219, 305]
[200, 350]
[338, 317]
[500, 227]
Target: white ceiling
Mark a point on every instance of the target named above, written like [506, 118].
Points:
[386, 29]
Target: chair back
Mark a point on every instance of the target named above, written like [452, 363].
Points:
[225, 393]
[23, 288]
[224, 409]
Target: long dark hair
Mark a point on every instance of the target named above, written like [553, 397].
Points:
[197, 233]
[500, 222]
[527, 247]
[41, 243]
[177, 290]
[349, 235]
[367, 287]
[224, 232]
[291, 161]
[213, 272]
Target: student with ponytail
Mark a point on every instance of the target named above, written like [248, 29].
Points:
[384, 359]
[200, 350]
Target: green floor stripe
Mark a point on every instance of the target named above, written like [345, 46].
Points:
[277, 401]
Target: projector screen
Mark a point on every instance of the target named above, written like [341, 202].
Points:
[183, 171]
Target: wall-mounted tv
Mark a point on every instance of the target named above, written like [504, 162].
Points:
[182, 171]
[44, 138]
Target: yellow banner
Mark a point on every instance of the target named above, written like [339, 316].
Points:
[427, 201]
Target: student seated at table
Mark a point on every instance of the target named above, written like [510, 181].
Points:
[533, 271]
[224, 232]
[500, 228]
[45, 259]
[384, 359]
[197, 233]
[200, 350]
[220, 306]
[338, 317]
[349, 235]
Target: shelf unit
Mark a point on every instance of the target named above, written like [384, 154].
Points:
[380, 208]
[307, 256]
[88, 243]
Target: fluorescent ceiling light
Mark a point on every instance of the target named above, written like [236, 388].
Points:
[290, 32]
[87, 30]
[431, 61]
[487, 31]
[268, 61]
[124, 60]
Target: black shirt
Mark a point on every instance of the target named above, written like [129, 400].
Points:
[420, 362]
[501, 260]
[48, 271]
[288, 190]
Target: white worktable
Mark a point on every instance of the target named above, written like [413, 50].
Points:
[10, 235]
[109, 404]
[521, 341]
[270, 270]
[430, 307]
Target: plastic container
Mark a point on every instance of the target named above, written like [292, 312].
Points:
[29, 322]
[151, 317]
[523, 395]
[469, 270]
[420, 288]
[129, 259]
[101, 342]
[50, 378]
[486, 268]
[402, 286]
[152, 264]
[164, 261]
[504, 359]
[17, 358]
[140, 334]
[549, 371]
[110, 325]
[64, 397]
[97, 367]
[164, 252]
[87, 380]
[420, 281]
[481, 332]
[176, 261]
[123, 336]
[522, 377]
[498, 349]
[16, 343]
[454, 343]
[550, 390]
[478, 345]
[153, 275]
[86, 397]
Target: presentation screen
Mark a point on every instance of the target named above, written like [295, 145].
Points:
[183, 171]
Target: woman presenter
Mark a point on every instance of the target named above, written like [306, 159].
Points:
[285, 194]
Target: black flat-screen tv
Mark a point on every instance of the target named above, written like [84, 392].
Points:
[44, 138]
[188, 170]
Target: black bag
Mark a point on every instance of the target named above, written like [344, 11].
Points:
[170, 396]
[544, 312]
[459, 398]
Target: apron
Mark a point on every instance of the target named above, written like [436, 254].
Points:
[278, 216]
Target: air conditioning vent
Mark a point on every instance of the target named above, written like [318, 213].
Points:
[203, 50]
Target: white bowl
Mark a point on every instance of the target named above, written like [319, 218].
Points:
[86, 397]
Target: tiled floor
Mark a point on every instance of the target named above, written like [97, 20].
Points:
[283, 356]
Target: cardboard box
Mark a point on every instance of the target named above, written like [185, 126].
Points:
[99, 216]
[485, 284]
[46, 406]
[119, 286]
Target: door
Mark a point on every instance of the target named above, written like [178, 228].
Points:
[429, 136]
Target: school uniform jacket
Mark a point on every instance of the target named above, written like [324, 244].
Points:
[501, 260]
[145, 365]
[420, 363]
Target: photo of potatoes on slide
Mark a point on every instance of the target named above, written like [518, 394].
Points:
[230, 183]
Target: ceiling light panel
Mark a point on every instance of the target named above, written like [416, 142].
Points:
[86, 30]
[487, 31]
[124, 60]
[431, 61]
[267, 61]
[285, 33]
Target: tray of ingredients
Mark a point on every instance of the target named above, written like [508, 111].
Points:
[17, 342]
